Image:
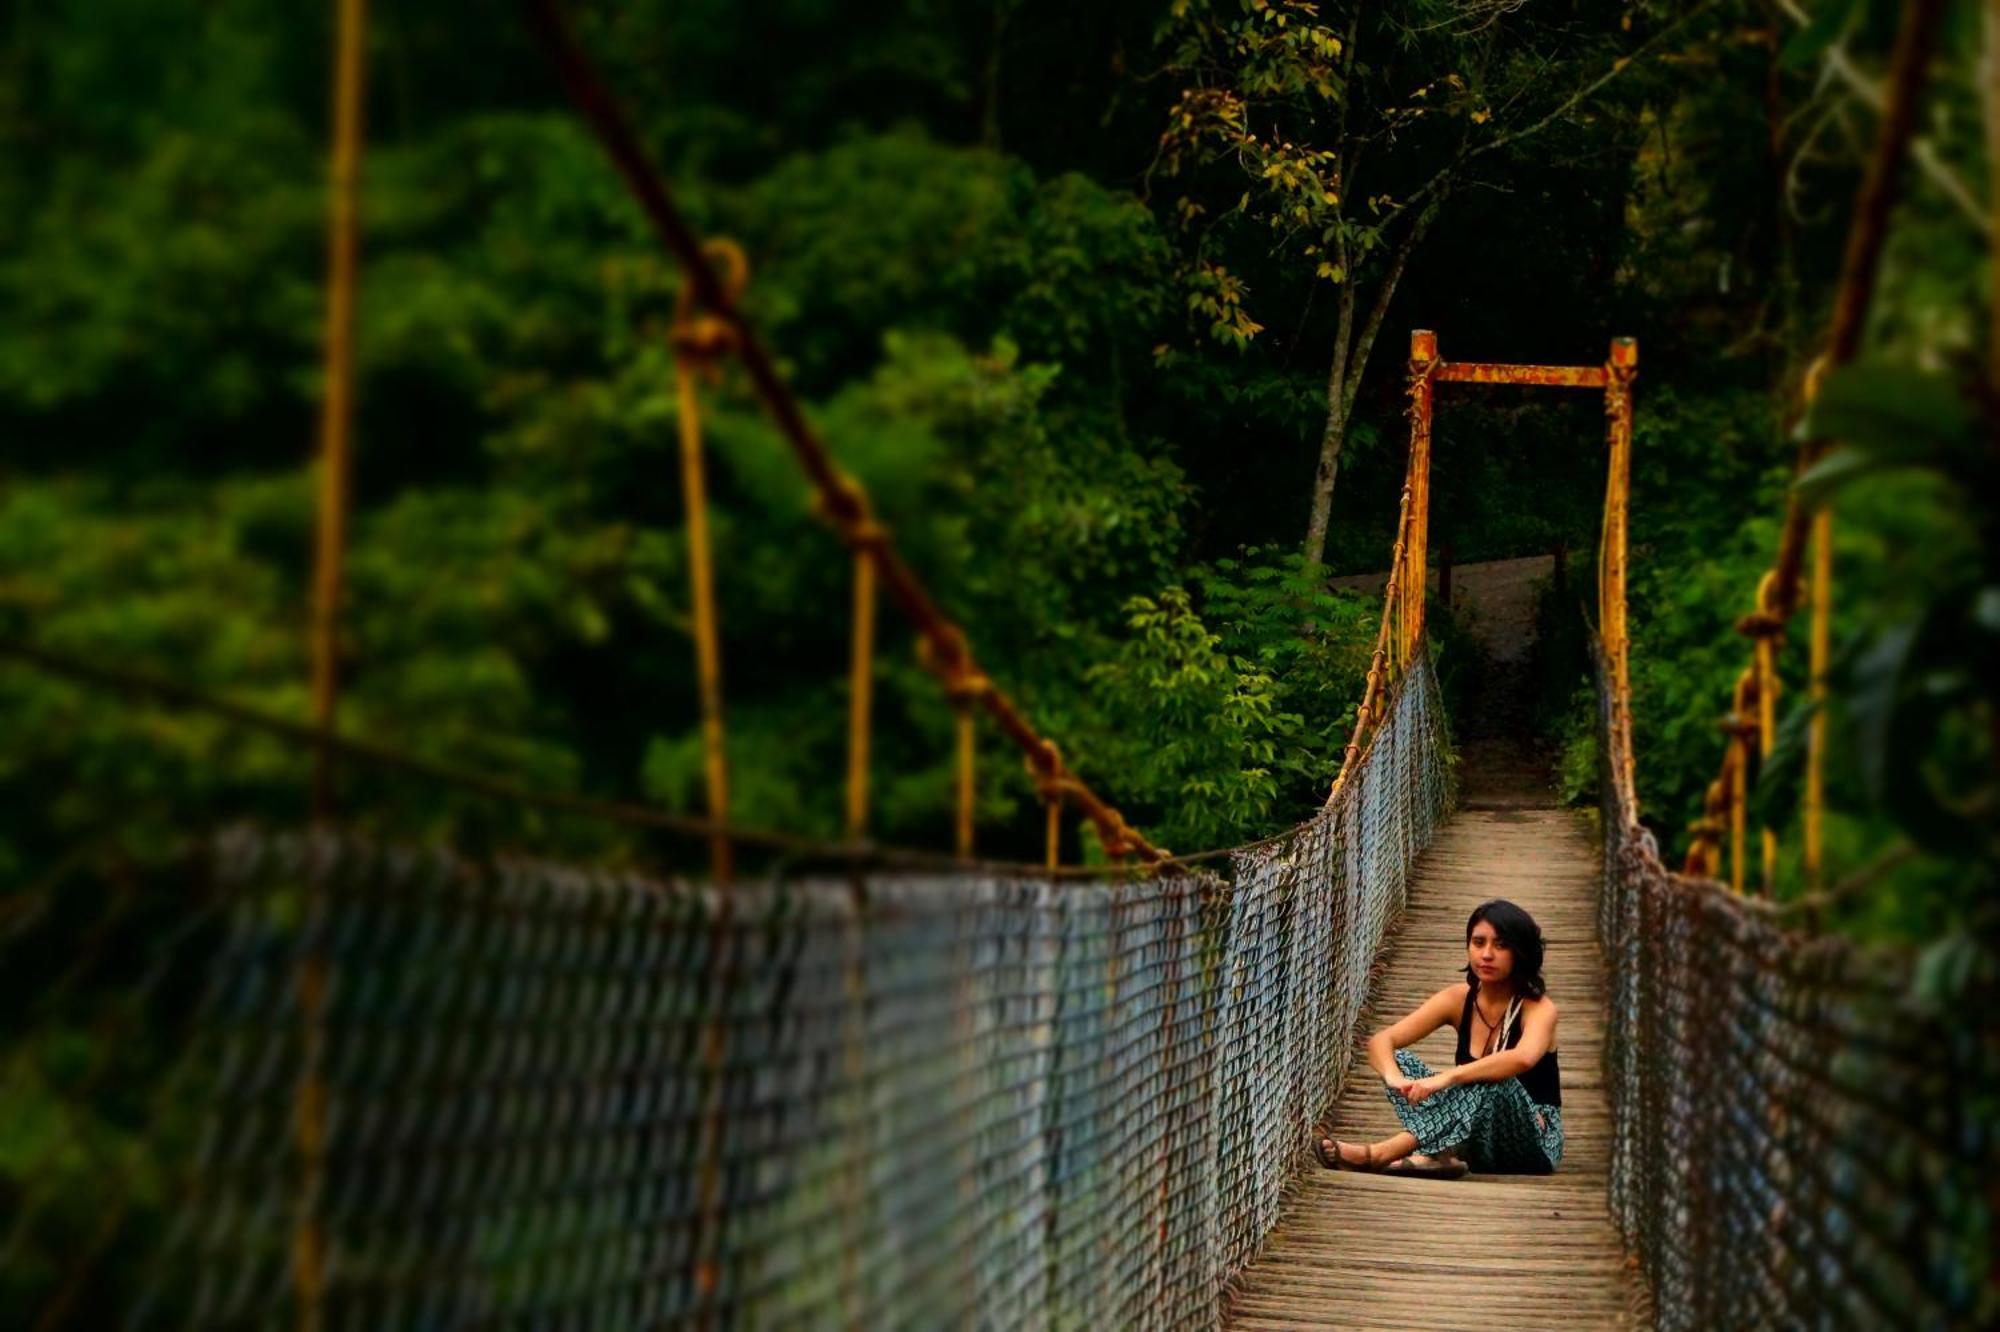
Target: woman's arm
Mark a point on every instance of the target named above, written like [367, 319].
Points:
[1441, 1008]
[1538, 1033]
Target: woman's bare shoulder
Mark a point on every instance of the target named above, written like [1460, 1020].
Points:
[1545, 1004]
[1451, 999]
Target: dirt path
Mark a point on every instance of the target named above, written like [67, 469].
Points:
[1496, 597]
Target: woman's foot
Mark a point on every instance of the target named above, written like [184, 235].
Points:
[1444, 1165]
[1337, 1155]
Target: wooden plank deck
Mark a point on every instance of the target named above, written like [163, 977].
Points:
[1363, 1251]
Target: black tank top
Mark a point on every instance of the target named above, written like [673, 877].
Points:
[1543, 1082]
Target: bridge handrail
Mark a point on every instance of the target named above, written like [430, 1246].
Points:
[1799, 1138]
[874, 1097]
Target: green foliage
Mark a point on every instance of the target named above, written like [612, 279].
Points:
[1213, 720]
[1913, 693]
[1062, 266]
[1229, 718]
[975, 330]
[1459, 657]
[1280, 101]
[1884, 417]
[1270, 87]
[516, 590]
[194, 595]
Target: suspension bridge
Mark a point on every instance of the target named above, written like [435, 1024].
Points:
[419, 1087]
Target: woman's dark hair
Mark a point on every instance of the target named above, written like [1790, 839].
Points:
[1517, 930]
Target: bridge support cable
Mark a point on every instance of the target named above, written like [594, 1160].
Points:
[309, 1111]
[700, 341]
[1820, 654]
[1778, 593]
[1399, 636]
[860, 694]
[945, 649]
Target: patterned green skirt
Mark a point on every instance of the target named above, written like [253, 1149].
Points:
[1493, 1126]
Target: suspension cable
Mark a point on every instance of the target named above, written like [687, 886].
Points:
[950, 657]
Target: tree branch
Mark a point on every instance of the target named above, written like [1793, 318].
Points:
[1569, 104]
[1870, 93]
[1383, 295]
[1589, 90]
[1336, 375]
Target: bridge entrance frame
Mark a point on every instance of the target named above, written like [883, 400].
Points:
[1614, 378]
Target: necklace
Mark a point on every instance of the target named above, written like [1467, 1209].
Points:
[1496, 1032]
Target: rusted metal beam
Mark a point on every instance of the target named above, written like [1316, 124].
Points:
[1620, 368]
[1416, 536]
[1544, 376]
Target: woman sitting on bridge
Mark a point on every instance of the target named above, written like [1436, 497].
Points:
[1499, 1112]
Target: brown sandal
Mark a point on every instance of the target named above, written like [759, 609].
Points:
[1333, 1160]
[1432, 1168]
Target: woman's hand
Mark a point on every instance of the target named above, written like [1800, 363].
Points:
[1416, 1092]
[1398, 1085]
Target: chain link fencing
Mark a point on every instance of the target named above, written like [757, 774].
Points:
[1798, 1142]
[310, 1079]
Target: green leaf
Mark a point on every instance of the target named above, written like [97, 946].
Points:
[1825, 478]
[1902, 687]
[1945, 969]
[1876, 680]
[1899, 415]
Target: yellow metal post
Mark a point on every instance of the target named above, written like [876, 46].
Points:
[707, 635]
[1819, 647]
[337, 402]
[700, 339]
[1423, 359]
[329, 559]
[1620, 371]
[861, 690]
[1765, 630]
[1740, 726]
[1766, 665]
[1733, 762]
[966, 787]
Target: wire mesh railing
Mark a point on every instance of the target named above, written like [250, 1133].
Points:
[1797, 1140]
[1800, 1138]
[499, 1091]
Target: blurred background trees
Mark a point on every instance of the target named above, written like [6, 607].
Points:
[1088, 335]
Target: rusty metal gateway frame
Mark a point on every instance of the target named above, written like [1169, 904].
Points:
[1614, 378]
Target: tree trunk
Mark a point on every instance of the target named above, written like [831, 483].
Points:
[1334, 436]
[1330, 445]
[1343, 381]
[989, 117]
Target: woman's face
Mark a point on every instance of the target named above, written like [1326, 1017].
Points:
[1489, 958]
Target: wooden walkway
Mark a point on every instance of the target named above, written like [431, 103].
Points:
[1363, 1251]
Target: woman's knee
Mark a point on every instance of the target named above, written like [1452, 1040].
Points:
[1412, 1066]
